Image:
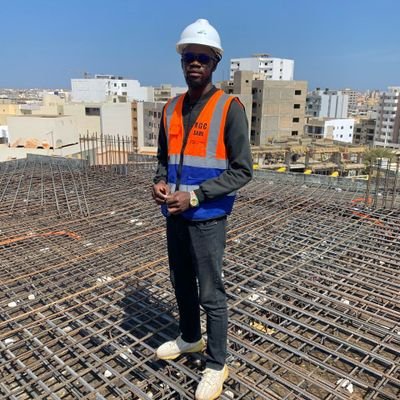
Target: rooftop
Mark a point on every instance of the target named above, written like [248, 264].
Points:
[311, 268]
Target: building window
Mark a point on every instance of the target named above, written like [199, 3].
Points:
[296, 119]
[297, 92]
[123, 84]
[92, 111]
[296, 106]
[124, 93]
[295, 133]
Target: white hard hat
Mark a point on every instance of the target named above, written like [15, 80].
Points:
[200, 32]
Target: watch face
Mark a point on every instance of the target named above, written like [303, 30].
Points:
[194, 202]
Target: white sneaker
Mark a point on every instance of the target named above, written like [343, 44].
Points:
[210, 386]
[174, 348]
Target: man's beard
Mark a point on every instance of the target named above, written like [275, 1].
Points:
[195, 83]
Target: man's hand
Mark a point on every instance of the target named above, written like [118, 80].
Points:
[160, 191]
[178, 202]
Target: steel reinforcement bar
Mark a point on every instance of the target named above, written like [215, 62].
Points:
[312, 275]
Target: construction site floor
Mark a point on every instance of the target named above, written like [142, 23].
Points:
[312, 277]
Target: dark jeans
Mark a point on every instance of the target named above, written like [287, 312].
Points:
[195, 251]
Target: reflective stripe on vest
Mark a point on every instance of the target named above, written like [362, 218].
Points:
[204, 155]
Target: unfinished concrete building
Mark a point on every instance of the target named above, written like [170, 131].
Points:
[311, 269]
[275, 109]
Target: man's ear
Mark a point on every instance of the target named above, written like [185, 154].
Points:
[214, 66]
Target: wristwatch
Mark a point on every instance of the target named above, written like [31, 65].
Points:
[194, 201]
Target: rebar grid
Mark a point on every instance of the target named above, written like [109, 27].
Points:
[312, 277]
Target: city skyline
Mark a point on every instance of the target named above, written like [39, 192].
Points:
[334, 44]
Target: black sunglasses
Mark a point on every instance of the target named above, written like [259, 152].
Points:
[202, 58]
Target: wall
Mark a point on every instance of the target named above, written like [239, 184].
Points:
[85, 124]
[116, 119]
[57, 131]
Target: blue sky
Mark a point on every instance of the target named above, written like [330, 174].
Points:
[335, 43]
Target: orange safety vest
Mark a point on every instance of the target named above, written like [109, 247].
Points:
[204, 156]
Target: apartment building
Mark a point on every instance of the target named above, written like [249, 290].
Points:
[327, 104]
[8, 108]
[165, 92]
[340, 130]
[275, 109]
[146, 119]
[387, 130]
[364, 130]
[102, 88]
[353, 99]
[268, 67]
[314, 127]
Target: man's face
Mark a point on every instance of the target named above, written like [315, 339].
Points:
[198, 64]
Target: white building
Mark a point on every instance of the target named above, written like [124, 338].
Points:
[341, 130]
[327, 104]
[103, 88]
[387, 130]
[268, 67]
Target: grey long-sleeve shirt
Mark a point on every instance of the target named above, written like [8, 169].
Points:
[239, 170]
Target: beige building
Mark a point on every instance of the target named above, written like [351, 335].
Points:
[86, 117]
[166, 92]
[241, 86]
[116, 119]
[146, 120]
[42, 131]
[278, 110]
[275, 109]
[364, 130]
[51, 105]
[8, 109]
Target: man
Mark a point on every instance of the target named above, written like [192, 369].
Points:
[203, 158]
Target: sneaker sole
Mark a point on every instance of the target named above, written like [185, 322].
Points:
[198, 349]
[226, 374]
